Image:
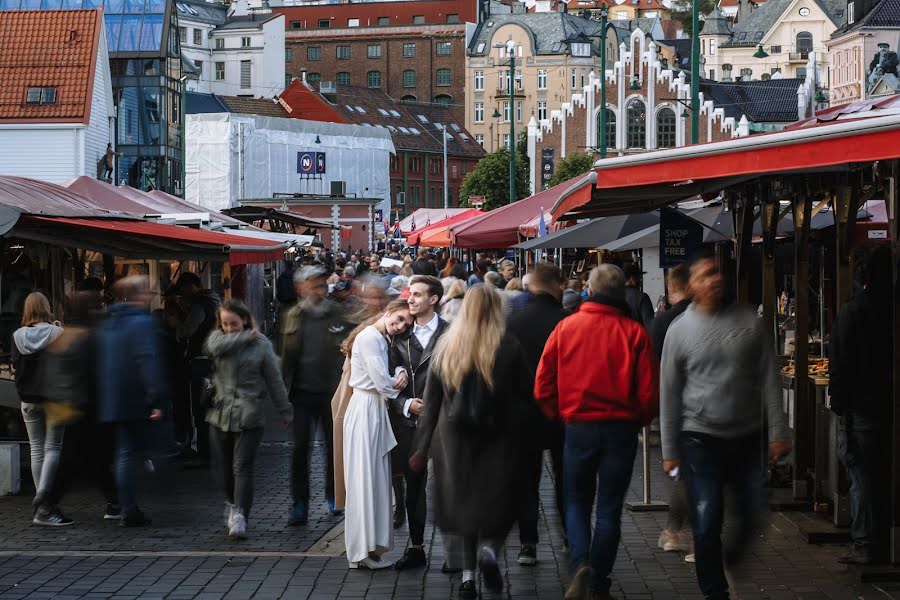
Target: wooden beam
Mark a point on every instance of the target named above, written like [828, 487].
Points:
[804, 444]
[226, 280]
[744, 228]
[769, 217]
[892, 205]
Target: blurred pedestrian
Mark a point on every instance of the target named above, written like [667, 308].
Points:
[245, 373]
[718, 371]
[368, 440]
[424, 265]
[311, 367]
[599, 374]
[507, 270]
[45, 438]
[639, 302]
[132, 385]
[476, 405]
[532, 326]
[451, 301]
[482, 266]
[861, 374]
[494, 279]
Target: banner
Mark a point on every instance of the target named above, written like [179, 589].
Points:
[679, 238]
[311, 163]
[546, 166]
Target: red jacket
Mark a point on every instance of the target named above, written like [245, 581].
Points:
[599, 365]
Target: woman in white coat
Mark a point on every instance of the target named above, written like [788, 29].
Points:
[369, 439]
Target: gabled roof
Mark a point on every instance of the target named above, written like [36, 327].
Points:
[266, 107]
[682, 48]
[770, 101]
[202, 11]
[198, 103]
[48, 48]
[646, 24]
[761, 21]
[301, 102]
[885, 14]
[716, 24]
[548, 31]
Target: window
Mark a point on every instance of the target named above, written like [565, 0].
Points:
[758, 36]
[409, 78]
[480, 139]
[581, 49]
[220, 43]
[418, 19]
[41, 95]
[182, 35]
[373, 79]
[313, 53]
[198, 37]
[518, 79]
[542, 110]
[801, 72]
[384, 21]
[314, 77]
[542, 79]
[199, 64]
[712, 47]
[443, 100]
[343, 52]
[373, 51]
[804, 42]
[506, 112]
[775, 50]
[742, 36]
[442, 49]
[220, 71]
[479, 81]
[776, 70]
[479, 112]
[665, 128]
[443, 77]
[352, 22]
[409, 99]
[451, 18]
[296, 24]
[506, 140]
[636, 124]
[621, 15]
[342, 78]
[324, 23]
[519, 111]
[288, 54]
[583, 76]
[574, 78]
[245, 42]
[245, 74]
[851, 17]
[287, 80]
[409, 50]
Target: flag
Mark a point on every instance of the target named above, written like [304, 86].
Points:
[396, 229]
[542, 226]
[413, 227]
[428, 221]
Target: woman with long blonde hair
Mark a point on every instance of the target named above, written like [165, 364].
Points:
[478, 408]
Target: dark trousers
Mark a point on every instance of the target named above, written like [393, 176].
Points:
[863, 446]
[533, 463]
[470, 550]
[710, 465]
[597, 461]
[87, 455]
[236, 452]
[198, 410]
[414, 494]
[309, 410]
[131, 449]
[679, 510]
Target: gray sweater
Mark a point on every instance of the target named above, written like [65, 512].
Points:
[717, 370]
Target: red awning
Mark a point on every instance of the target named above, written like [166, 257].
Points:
[830, 144]
[415, 237]
[149, 240]
[499, 228]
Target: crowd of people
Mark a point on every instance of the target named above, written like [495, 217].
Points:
[410, 364]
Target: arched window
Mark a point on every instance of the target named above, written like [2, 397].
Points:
[804, 42]
[314, 77]
[409, 99]
[610, 129]
[409, 78]
[443, 99]
[636, 123]
[373, 79]
[665, 128]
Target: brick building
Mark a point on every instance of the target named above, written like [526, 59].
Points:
[417, 167]
[413, 51]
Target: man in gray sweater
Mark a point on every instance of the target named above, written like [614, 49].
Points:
[718, 367]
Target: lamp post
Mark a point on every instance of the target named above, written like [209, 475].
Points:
[496, 117]
[695, 72]
[603, 15]
[511, 52]
[183, 83]
[446, 185]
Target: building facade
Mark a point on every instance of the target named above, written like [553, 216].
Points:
[56, 101]
[863, 53]
[232, 50]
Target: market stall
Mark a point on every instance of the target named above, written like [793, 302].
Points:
[437, 235]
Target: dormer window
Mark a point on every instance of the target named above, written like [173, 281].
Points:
[41, 95]
[581, 49]
[851, 17]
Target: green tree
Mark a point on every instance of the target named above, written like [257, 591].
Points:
[682, 11]
[490, 178]
[575, 164]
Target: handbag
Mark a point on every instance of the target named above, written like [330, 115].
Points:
[472, 406]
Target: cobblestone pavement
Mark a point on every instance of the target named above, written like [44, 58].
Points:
[185, 554]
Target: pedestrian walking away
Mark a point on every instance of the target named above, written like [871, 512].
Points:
[638, 301]
[718, 371]
[599, 374]
[245, 375]
[477, 403]
[369, 439]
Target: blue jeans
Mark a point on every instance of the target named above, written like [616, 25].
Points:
[45, 442]
[601, 451]
[131, 448]
[709, 465]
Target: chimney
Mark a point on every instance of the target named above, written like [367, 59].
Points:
[562, 7]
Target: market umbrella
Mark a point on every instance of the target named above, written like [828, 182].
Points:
[414, 238]
[438, 236]
[593, 233]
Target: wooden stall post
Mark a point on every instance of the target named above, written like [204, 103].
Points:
[226, 280]
[803, 409]
[846, 205]
[769, 217]
[743, 207]
[892, 204]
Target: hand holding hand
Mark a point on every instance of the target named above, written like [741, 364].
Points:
[418, 462]
[416, 407]
[155, 414]
[401, 380]
[778, 449]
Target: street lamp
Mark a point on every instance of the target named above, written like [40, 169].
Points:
[446, 184]
[603, 15]
[695, 72]
[760, 53]
[496, 117]
[511, 52]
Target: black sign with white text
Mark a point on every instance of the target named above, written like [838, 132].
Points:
[679, 238]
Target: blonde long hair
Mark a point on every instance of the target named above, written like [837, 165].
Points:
[392, 307]
[473, 339]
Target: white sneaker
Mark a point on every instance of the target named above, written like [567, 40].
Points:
[229, 509]
[667, 540]
[237, 529]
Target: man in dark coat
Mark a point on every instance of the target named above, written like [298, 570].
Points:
[424, 265]
[860, 369]
[638, 301]
[413, 352]
[679, 299]
[532, 325]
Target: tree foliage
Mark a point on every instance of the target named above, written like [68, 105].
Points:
[682, 11]
[573, 165]
[490, 178]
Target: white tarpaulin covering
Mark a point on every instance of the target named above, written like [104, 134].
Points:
[290, 238]
[233, 157]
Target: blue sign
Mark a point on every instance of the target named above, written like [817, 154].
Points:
[311, 163]
[679, 238]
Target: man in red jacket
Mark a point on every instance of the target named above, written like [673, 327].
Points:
[599, 374]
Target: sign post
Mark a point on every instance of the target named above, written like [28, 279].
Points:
[546, 167]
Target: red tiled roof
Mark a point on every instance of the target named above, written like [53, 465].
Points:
[368, 13]
[303, 103]
[48, 48]
[245, 105]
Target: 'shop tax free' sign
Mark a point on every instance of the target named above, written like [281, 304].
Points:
[679, 238]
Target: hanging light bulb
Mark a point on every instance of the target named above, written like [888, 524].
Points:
[760, 53]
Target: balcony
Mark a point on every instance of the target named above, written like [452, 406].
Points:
[504, 93]
[799, 57]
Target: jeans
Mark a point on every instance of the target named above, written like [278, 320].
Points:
[598, 460]
[864, 449]
[709, 466]
[131, 448]
[236, 451]
[46, 442]
[409, 485]
[309, 410]
[529, 507]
